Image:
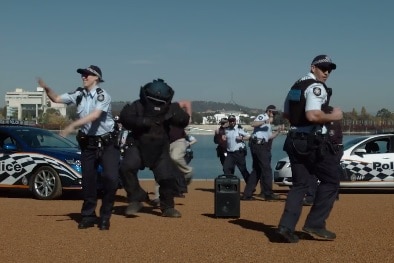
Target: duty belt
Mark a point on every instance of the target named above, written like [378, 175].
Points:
[239, 150]
[93, 140]
[304, 135]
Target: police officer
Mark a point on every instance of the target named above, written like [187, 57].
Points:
[260, 147]
[236, 148]
[96, 139]
[221, 149]
[310, 152]
[149, 119]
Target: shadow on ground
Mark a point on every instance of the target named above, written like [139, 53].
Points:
[270, 231]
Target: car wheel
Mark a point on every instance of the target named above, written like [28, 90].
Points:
[45, 184]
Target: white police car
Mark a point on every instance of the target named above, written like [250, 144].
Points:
[38, 160]
[367, 162]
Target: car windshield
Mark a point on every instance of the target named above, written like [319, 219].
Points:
[352, 142]
[37, 138]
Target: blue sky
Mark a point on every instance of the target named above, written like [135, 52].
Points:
[248, 51]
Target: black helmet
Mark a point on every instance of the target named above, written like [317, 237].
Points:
[157, 91]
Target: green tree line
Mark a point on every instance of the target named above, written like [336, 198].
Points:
[353, 121]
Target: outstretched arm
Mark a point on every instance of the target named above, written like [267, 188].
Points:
[51, 94]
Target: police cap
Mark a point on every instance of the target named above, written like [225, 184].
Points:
[92, 70]
[323, 61]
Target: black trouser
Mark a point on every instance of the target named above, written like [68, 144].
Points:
[221, 153]
[238, 159]
[108, 156]
[311, 193]
[261, 155]
[163, 172]
[303, 167]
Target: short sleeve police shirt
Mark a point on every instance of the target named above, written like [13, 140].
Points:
[231, 135]
[95, 99]
[315, 96]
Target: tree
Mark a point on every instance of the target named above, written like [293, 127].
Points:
[52, 119]
[384, 114]
[196, 118]
[72, 112]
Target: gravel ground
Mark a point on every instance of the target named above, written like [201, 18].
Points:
[46, 231]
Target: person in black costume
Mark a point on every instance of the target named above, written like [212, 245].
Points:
[149, 120]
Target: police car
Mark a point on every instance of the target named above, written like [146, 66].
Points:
[38, 160]
[367, 162]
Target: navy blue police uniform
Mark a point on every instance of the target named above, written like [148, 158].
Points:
[149, 120]
[310, 152]
[97, 143]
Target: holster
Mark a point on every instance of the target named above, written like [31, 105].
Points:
[319, 146]
[244, 151]
[219, 151]
[311, 146]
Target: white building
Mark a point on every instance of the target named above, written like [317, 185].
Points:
[30, 104]
[217, 117]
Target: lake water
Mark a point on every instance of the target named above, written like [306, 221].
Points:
[206, 164]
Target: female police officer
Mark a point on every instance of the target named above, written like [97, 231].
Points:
[96, 139]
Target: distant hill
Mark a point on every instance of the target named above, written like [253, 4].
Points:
[200, 106]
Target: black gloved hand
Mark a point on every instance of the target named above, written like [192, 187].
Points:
[168, 115]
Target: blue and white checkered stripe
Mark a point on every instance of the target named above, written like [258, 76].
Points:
[362, 171]
[28, 162]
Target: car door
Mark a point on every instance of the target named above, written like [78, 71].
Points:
[9, 167]
[371, 161]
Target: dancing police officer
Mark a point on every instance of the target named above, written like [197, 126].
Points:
[149, 119]
[310, 152]
[235, 137]
[96, 139]
[260, 147]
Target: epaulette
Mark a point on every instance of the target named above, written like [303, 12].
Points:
[79, 98]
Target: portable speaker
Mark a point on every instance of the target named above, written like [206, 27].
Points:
[227, 196]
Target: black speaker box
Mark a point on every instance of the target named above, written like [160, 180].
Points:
[227, 196]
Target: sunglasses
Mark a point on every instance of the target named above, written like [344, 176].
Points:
[324, 69]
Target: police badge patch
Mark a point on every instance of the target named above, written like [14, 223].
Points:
[100, 97]
[317, 91]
